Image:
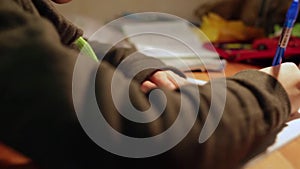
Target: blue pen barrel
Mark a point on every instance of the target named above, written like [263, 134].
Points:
[292, 13]
[285, 37]
[278, 56]
[283, 42]
[291, 17]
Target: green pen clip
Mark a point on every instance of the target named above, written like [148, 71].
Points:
[86, 48]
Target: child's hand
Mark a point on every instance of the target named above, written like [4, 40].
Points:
[167, 79]
[288, 75]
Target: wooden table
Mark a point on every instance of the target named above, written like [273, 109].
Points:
[286, 157]
[231, 69]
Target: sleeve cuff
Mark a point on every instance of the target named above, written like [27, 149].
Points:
[141, 67]
[270, 93]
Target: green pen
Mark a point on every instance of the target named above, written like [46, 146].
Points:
[86, 48]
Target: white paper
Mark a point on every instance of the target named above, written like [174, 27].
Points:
[196, 81]
[290, 132]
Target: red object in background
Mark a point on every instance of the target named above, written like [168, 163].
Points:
[264, 48]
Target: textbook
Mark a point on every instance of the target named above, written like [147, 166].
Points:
[174, 43]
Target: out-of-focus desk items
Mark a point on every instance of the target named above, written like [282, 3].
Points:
[237, 42]
[171, 40]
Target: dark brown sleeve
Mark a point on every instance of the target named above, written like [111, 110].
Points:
[256, 108]
[68, 32]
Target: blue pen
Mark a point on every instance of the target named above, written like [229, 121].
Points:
[290, 19]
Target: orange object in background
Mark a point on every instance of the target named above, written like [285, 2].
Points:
[11, 159]
[217, 29]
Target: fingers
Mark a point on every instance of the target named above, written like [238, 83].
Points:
[288, 75]
[166, 79]
[147, 86]
[282, 69]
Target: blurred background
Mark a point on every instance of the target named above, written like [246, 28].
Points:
[105, 10]
[241, 26]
